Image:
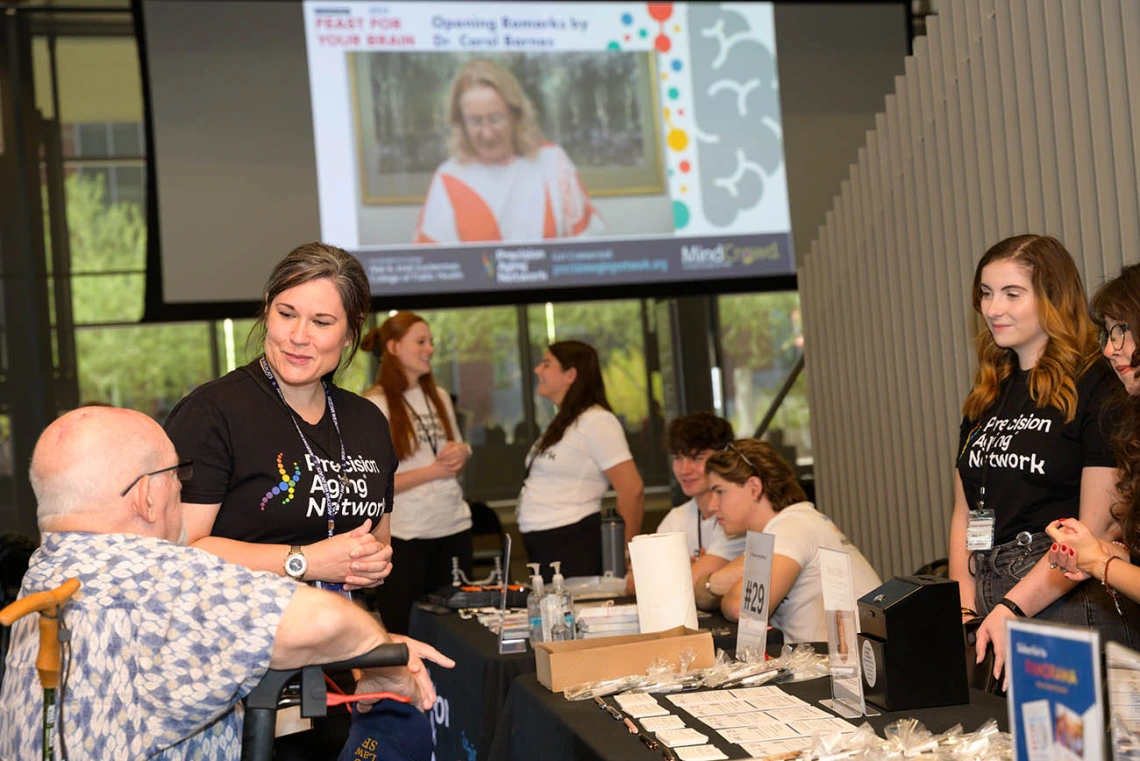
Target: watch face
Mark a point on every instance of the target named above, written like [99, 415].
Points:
[295, 565]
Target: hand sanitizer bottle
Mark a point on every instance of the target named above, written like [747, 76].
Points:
[562, 609]
[538, 633]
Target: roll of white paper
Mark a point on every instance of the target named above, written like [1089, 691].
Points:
[664, 581]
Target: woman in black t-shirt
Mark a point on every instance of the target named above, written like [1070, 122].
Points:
[1032, 447]
[291, 473]
[1077, 551]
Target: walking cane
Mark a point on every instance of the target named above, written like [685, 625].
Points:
[47, 604]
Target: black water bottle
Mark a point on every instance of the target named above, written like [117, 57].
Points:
[613, 544]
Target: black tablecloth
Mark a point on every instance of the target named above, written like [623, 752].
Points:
[539, 725]
[475, 691]
[472, 694]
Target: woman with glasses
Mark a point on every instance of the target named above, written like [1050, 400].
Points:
[754, 489]
[1076, 551]
[568, 470]
[1033, 446]
[503, 181]
[431, 523]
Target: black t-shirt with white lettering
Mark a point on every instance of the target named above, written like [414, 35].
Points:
[249, 458]
[1034, 457]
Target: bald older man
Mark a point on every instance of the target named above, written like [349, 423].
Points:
[165, 639]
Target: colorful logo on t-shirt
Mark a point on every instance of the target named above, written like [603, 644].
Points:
[287, 485]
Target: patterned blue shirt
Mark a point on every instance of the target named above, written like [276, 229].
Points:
[165, 641]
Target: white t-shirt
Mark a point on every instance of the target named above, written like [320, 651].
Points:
[436, 508]
[800, 532]
[567, 482]
[711, 535]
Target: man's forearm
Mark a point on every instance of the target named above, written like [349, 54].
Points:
[322, 627]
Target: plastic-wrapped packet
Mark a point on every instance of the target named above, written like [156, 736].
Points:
[910, 738]
[726, 669]
[590, 690]
[803, 663]
[985, 743]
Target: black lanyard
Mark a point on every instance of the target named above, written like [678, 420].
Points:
[981, 499]
[332, 505]
[698, 527]
[428, 432]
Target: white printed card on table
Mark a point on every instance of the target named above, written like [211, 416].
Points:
[752, 629]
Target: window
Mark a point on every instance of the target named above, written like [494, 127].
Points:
[761, 337]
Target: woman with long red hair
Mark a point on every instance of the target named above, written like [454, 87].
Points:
[1033, 446]
[431, 523]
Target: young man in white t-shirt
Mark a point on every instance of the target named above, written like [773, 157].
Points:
[691, 439]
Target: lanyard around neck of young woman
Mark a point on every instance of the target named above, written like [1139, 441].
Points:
[332, 503]
[428, 432]
[981, 501]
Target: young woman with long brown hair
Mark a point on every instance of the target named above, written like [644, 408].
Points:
[580, 454]
[1076, 550]
[1032, 445]
[431, 523]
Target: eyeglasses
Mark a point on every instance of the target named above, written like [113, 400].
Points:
[756, 470]
[1115, 334]
[185, 471]
[491, 120]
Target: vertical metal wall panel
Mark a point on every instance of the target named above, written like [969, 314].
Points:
[867, 482]
[1024, 65]
[1055, 121]
[1095, 40]
[1121, 130]
[1130, 105]
[925, 297]
[1087, 240]
[1001, 127]
[1012, 116]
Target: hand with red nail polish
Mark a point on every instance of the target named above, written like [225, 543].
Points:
[1076, 550]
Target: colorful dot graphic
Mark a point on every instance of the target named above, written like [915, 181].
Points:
[678, 140]
[286, 486]
[680, 215]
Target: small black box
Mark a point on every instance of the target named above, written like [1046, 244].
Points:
[912, 644]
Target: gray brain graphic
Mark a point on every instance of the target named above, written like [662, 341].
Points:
[734, 89]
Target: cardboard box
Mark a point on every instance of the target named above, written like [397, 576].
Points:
[565, 664]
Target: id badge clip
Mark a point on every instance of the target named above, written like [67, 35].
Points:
[980, 530]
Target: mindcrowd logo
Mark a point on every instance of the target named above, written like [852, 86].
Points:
[288, 483]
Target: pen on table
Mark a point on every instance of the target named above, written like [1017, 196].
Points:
[608, 708]
[649, 741]
[668, 754]
[630, 725]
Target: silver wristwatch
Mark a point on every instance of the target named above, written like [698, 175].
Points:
[295, 563]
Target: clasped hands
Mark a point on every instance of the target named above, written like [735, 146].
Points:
[355, 558]
[1077, 551]
[452, 458]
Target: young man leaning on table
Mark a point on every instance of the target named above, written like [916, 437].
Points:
[692, 439]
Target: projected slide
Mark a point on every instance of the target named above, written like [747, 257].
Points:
[488, 146]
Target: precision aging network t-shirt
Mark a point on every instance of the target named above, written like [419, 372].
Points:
[1029, 458]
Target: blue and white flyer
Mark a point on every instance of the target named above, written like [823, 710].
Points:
[1055, 707]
